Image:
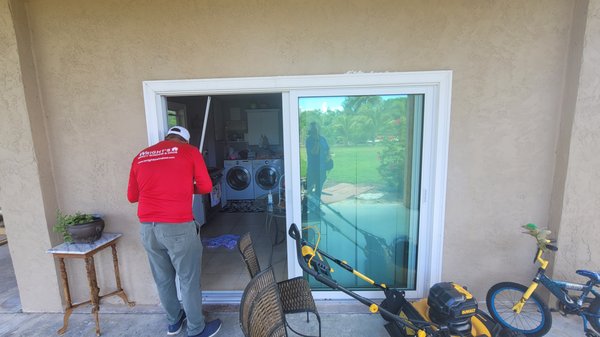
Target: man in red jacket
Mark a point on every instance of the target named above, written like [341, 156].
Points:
[162, 180]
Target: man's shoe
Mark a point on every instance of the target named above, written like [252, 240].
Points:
[210, 329]
[174, 329]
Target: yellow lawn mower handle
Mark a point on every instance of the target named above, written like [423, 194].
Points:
[320, 270]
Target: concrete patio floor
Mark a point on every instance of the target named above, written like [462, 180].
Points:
[339, 319]
[150, 322]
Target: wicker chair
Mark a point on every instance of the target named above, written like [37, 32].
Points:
[295, 293]
[261, 314]
[260, 286]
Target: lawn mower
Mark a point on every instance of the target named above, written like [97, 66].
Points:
[449, 311]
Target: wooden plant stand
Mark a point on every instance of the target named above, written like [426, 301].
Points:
[87, 251]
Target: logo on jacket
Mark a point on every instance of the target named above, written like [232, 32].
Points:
[161, 152]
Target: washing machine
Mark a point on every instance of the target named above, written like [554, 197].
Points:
[267, 173]
[238, 182]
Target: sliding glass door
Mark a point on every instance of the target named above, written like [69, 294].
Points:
[365, 168]
[360, 164]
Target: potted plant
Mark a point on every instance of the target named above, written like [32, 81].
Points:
[79, 227]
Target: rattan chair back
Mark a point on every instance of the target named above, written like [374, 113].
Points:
[266, 315]
[294, 294]
[257, 284]
[261, 314]
[248, 253]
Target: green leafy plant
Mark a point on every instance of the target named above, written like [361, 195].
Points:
[391, 164]
[64, 221]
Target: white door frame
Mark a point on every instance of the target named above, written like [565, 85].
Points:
[438, 84]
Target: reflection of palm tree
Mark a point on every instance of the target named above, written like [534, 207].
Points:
[354, 103]
[366, 117]
[377, 120]
[362, 118]
[343, 125]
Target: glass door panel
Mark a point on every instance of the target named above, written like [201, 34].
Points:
[360, 164]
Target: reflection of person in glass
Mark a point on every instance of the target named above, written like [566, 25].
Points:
[317, 155]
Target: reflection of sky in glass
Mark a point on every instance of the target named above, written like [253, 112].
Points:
[321, 103]
[331, 103]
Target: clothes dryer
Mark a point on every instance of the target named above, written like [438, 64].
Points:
[267, 173]
[238, 180]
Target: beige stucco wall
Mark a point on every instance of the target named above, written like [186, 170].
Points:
[27, 192]
[581, 202]
[509, 60]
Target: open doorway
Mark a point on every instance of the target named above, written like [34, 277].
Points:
[241, 139]
[3, 238]
[9, 292]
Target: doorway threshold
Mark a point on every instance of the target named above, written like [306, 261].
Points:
[213, 297]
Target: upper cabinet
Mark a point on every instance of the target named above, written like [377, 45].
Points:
[264, 123]
[235, 130]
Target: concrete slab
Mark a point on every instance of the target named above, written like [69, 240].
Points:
[118, 321]
[154, 324]
[339, 319]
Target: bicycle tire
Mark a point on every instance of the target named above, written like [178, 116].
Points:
[534, 320]
[595, 310]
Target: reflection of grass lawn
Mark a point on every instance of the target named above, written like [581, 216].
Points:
[352, 164]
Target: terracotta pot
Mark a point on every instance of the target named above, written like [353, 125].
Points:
[87, 232]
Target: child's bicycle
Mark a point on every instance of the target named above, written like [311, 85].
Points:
[517, 307]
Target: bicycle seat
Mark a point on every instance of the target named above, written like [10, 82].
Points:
[591, 274]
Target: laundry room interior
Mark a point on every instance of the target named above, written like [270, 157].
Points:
[241, 139]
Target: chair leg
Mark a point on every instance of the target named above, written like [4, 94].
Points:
[301, 334]
[319, 321]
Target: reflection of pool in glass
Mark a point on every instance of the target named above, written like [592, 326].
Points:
[370, 236]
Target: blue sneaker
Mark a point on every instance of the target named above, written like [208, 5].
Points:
[174, 329]
[210, 329]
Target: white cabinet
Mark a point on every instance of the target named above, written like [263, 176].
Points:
[264, 122]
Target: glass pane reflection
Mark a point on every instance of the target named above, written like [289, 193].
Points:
[360, 169]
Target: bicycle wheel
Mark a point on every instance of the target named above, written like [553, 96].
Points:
[534, 320]
[595, 310]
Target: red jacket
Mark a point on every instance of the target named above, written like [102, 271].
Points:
[162, 180]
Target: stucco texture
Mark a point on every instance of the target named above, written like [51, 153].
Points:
[579, 223]
[24, 172]
[508, 60]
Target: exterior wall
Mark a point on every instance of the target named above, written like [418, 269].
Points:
[571, 90]
[27, 192]
[581, 202]
[509, 60]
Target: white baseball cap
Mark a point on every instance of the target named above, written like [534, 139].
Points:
[180, 131]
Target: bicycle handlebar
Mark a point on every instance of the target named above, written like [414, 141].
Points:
[540, 236]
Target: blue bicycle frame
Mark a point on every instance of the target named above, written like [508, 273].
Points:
[560, 290]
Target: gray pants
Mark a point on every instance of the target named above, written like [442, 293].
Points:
[176, 249]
